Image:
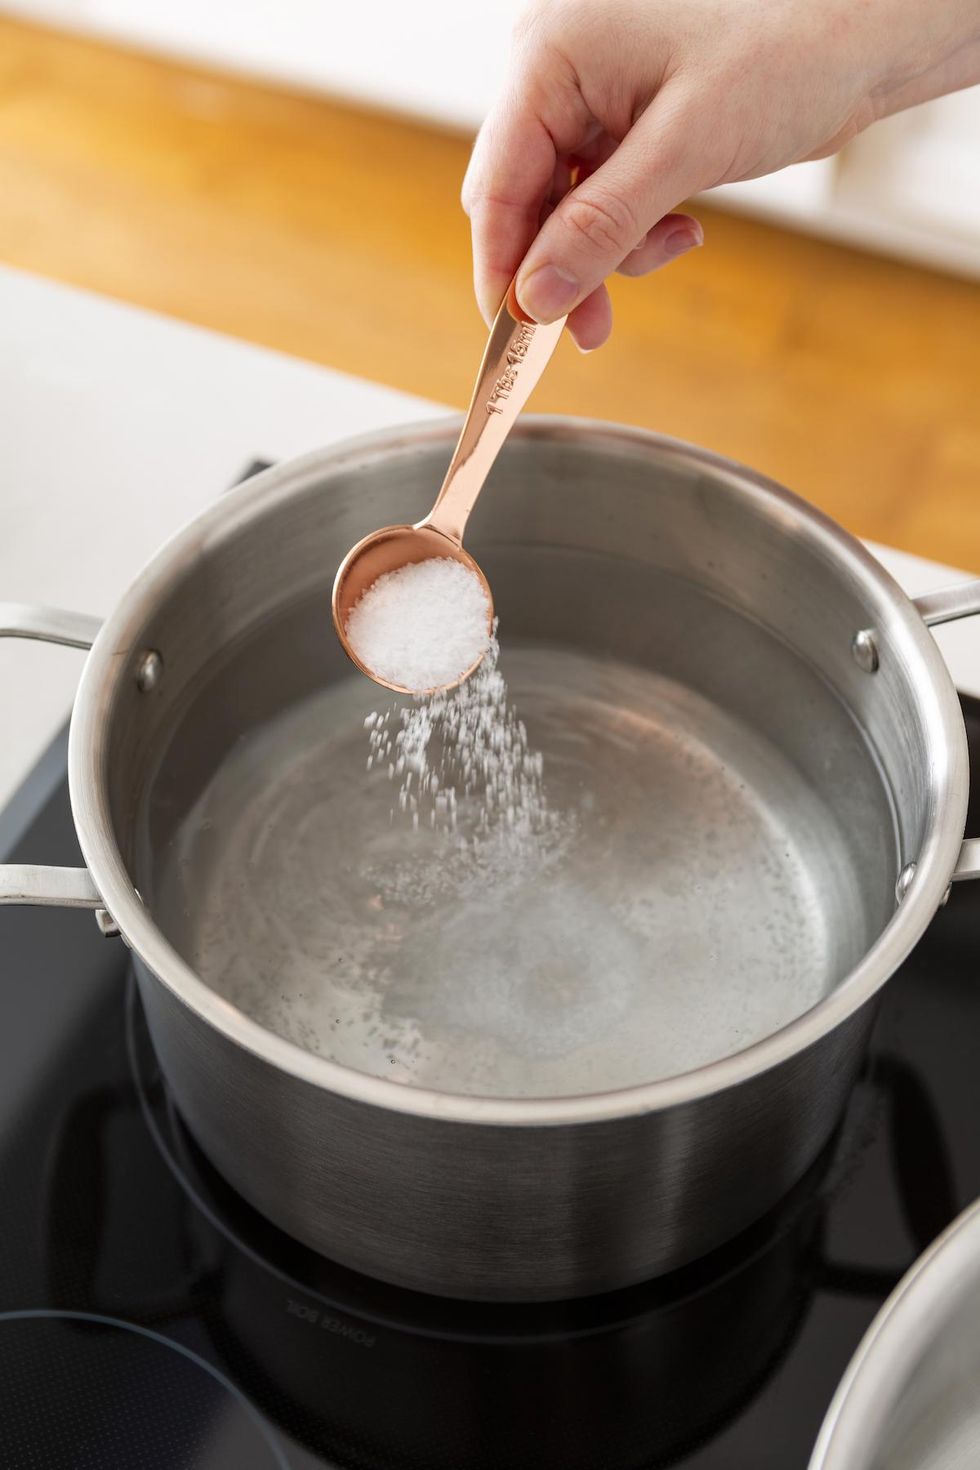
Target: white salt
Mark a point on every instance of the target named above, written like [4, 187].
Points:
[423, 626]
[466, 749]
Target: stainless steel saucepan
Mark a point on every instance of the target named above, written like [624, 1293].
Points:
[762, 617]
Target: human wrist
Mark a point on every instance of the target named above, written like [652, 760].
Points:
[931, 48]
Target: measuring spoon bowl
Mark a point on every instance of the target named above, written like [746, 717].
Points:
[385, 551]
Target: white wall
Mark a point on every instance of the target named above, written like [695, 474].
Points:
[438, 58]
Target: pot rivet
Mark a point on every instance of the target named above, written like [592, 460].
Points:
[904, 881]
[865, 651]
[149, 671]
[108, 927]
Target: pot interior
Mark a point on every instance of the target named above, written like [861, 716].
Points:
[728, 794]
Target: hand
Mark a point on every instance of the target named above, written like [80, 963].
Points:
[615, 111]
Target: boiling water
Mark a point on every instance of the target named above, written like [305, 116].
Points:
[666, 917]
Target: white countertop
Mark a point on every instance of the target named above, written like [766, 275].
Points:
[118, 425]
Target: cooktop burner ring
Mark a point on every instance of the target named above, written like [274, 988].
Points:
[749, 1287]
[379, 1304]
[74, 1393]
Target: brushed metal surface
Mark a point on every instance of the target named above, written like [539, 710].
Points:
[70, 888]
[968, 862]
[909, 1400]
[494, 1212]
[48, 624]
[962, 600]
[494, 1196]
[31, 884]
[945, 606]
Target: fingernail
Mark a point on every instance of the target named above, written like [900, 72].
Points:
[547, 293]
[683, 239]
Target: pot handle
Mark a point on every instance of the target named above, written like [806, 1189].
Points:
[962, 600]
[25, 883]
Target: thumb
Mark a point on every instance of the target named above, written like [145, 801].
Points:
[606, 217]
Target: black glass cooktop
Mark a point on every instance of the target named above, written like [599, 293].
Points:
[149, 1319]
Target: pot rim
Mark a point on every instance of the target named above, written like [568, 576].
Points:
[877, 1373]
[117, 644]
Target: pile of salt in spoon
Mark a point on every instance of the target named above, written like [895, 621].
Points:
[423, 626]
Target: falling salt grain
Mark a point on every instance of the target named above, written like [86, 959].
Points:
[422, 626]
[476, 776]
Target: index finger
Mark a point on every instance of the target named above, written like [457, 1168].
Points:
[507, 184]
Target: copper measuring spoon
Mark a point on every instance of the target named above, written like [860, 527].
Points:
[517, 353]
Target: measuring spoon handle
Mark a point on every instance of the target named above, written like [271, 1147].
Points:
[517, 353]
